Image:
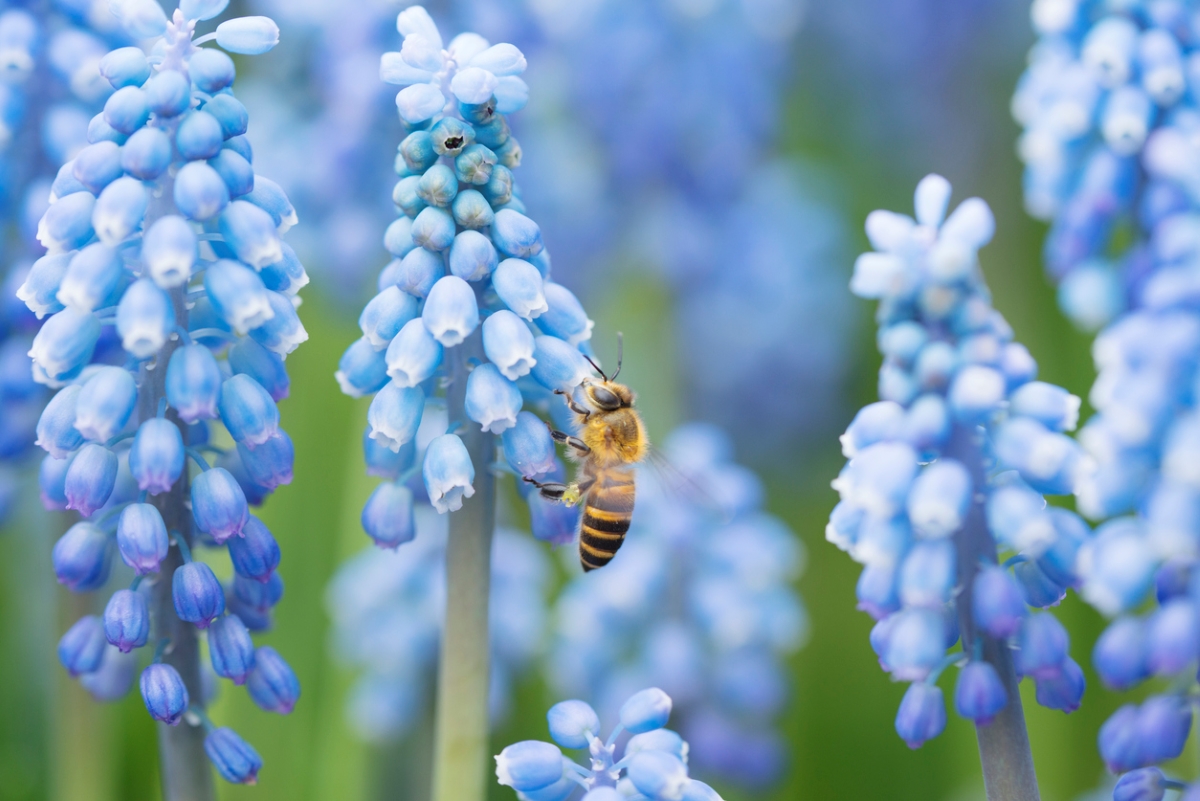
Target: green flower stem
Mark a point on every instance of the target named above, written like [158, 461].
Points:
[461, 727]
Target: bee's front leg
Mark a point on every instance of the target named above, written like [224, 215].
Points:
[573, 406]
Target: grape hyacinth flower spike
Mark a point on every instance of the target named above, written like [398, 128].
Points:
[653, 765]
[466, 305]
[946, 473]
[172, 309]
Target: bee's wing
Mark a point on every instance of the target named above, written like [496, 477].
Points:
[676, 484]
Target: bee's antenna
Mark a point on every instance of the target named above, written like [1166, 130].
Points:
[620, 354]
[595, 366]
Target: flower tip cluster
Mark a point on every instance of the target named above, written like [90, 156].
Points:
[652, 767]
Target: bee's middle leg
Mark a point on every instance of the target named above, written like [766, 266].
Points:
[562, 438]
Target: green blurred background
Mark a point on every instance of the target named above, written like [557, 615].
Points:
[875, 123]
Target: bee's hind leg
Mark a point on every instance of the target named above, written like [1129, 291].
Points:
[569, 494]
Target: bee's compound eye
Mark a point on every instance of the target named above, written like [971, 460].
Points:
[604, 398]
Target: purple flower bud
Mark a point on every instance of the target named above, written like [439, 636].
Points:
[193, 383]
[254, 554]
[1118, 740]
[230, 648]
[1173, 638]
[1042, 646]
[218, 504]
[197, 594]
[273, 684]
[916, 642]
[249, 358]
[1145, 784]
[164, 693]
[996, 602]
[876, 590]
[922, 714]
[248, 411]
[1064, 690]
[112, 680]
[270, 464]
[979, 694]
[1163, 723]
[258, 594]
[388, 515]
[157, 456]
[529, 766]
[81, 558]
[142, 538]
[90, 479]
[81, 649]
[52, 477]
[232, 756]
[127, 620]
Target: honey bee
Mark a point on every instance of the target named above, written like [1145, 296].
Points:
[612, 440]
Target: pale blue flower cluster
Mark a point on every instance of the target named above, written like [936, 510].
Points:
[468, 289]
[170, 304]
[387, 608]
[699, 601]
[50, 85]
[1109, 108]
[653, 765]
[950, 467]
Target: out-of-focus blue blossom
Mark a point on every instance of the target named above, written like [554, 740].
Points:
[387, 608]
[954, 459]
[459, 304]
[698, 601]
[158, 188]
[653, 764]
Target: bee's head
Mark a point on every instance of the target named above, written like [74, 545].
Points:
[608, 395]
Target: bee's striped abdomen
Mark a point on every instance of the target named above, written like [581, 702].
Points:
[606, 515]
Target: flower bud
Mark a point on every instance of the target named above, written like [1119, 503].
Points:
[519, 285]
[528, 446]
[145, 319]
[387, 516]
[492, 400]
[922, 714]
[251, 233]
[96, 166]
[979, 695]
[193, 383]
[254, 554]
[145, 156]
[385, 315]
[232, 756]
[238, 295]
[996, 602]
[1120, 655]
[448, 473]
[286, 276]
[646, 710]
[142, 538]
[927, 574]
[105, 403]
[91, 478]
[283, 332]
[64, 345]
[573, 724]
[397, 239]
[81, 558]
[417, 151]
[67, 224]
[474, 165]
[56, 432]
[248, 35]
[247, 411]
[451, 311]
[39, 291]
[230, 112]
[218, 504]
[471, 210]
[413, 355]
[230, 648]
[1163, 723]
[1144, 784]
[169, 251]
[658, 774]
[157, 456]
[127, 620]
[92, 279]
[258, 594]
[564, 316]
[200, 193]
[437, 186]
[82, 647]
[1064, 690]
[529, 765]
[52, 477]
[940, 499]
[112, 680]
[516, 235]
[508, 343]
[270, 197]
[418, 271]
[273, 684]
[249, 358]
[269, 465]
[197, 594]
[164, 693]
[169, 93]
[1042, 646]
[125, 66]
[557, 365]
[362, 370]
[433, 229]
[395, 414]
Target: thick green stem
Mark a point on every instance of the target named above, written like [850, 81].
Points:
[461, 730]
[1008, 773]
[186, 775]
